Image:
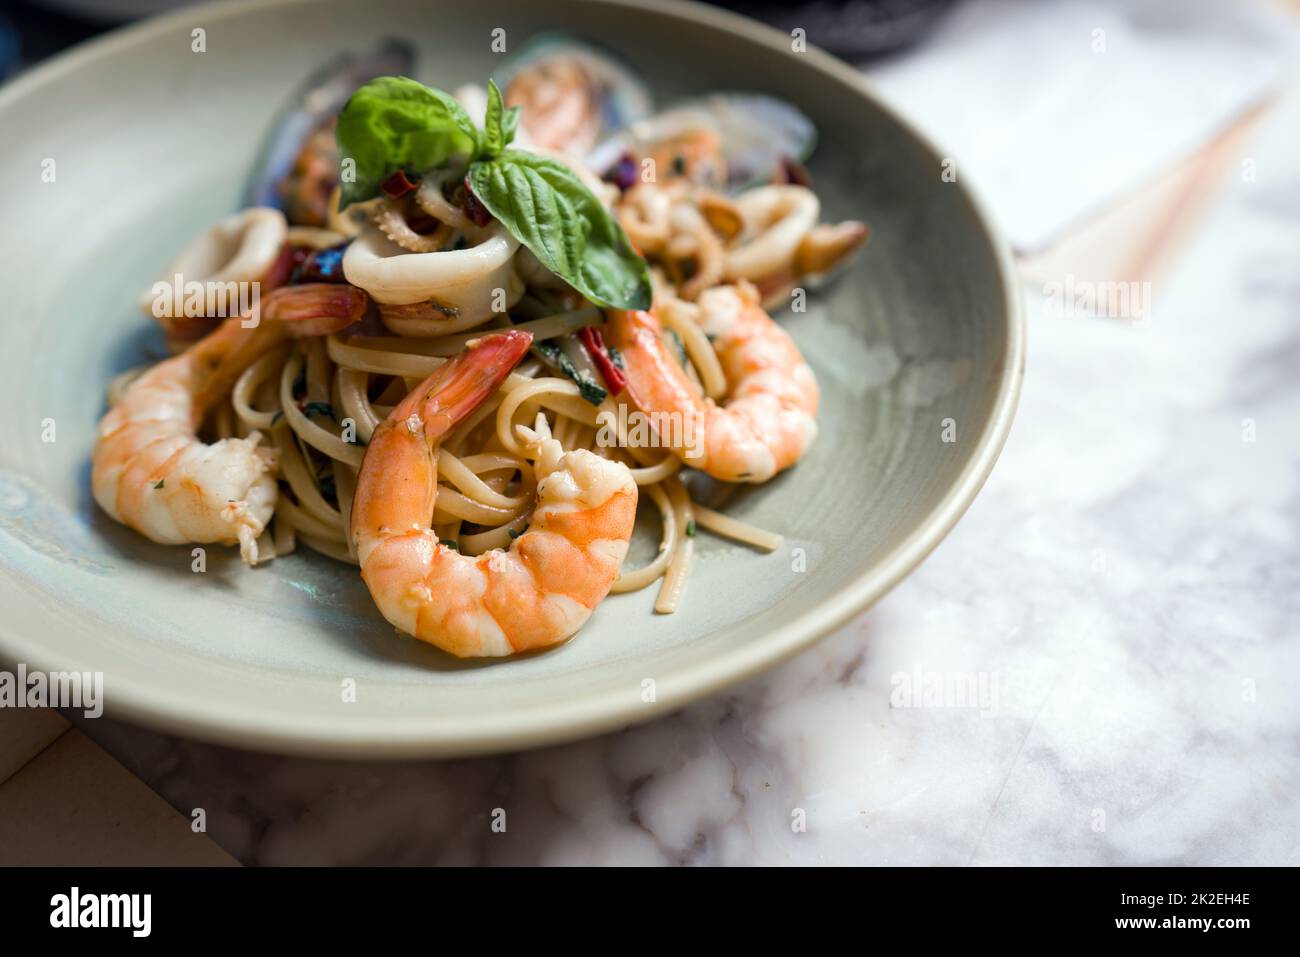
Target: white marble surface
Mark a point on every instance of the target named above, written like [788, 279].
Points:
[1127, 587]
[1132, 88]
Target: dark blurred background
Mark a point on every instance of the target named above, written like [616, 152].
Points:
[31, 30]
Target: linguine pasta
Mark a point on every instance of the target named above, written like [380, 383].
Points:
[319, 400]
[554, 338]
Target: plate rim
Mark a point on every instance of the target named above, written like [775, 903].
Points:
[391, 737]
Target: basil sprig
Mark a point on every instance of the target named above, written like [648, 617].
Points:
[395, 123]
[548, 209]
[499, 124]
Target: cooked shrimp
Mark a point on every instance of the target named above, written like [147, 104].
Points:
[767, 416]
[560, 103]
[149, 469]
[545, 586]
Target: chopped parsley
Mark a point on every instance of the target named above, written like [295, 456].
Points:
[590, 391]
[327, 487]
[681, 346]
[319, 408]
[587, 387]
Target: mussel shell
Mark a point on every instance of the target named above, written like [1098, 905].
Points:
[314, 104]
[759, 134]
[624, 98]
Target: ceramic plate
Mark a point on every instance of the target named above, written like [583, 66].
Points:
[151, 141]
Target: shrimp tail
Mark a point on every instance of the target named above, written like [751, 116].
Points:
[151, 472]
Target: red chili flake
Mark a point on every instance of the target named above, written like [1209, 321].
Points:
[794, 172]
[478, 213]
[286, 263]
[397, 185]
[623, 174]
[590, 337]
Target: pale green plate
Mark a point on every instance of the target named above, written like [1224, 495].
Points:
[151, 142]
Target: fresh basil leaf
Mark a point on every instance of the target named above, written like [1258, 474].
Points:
[509, 125]
[394, 122]
[548, 209]
[499, 124]
[587, 388]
